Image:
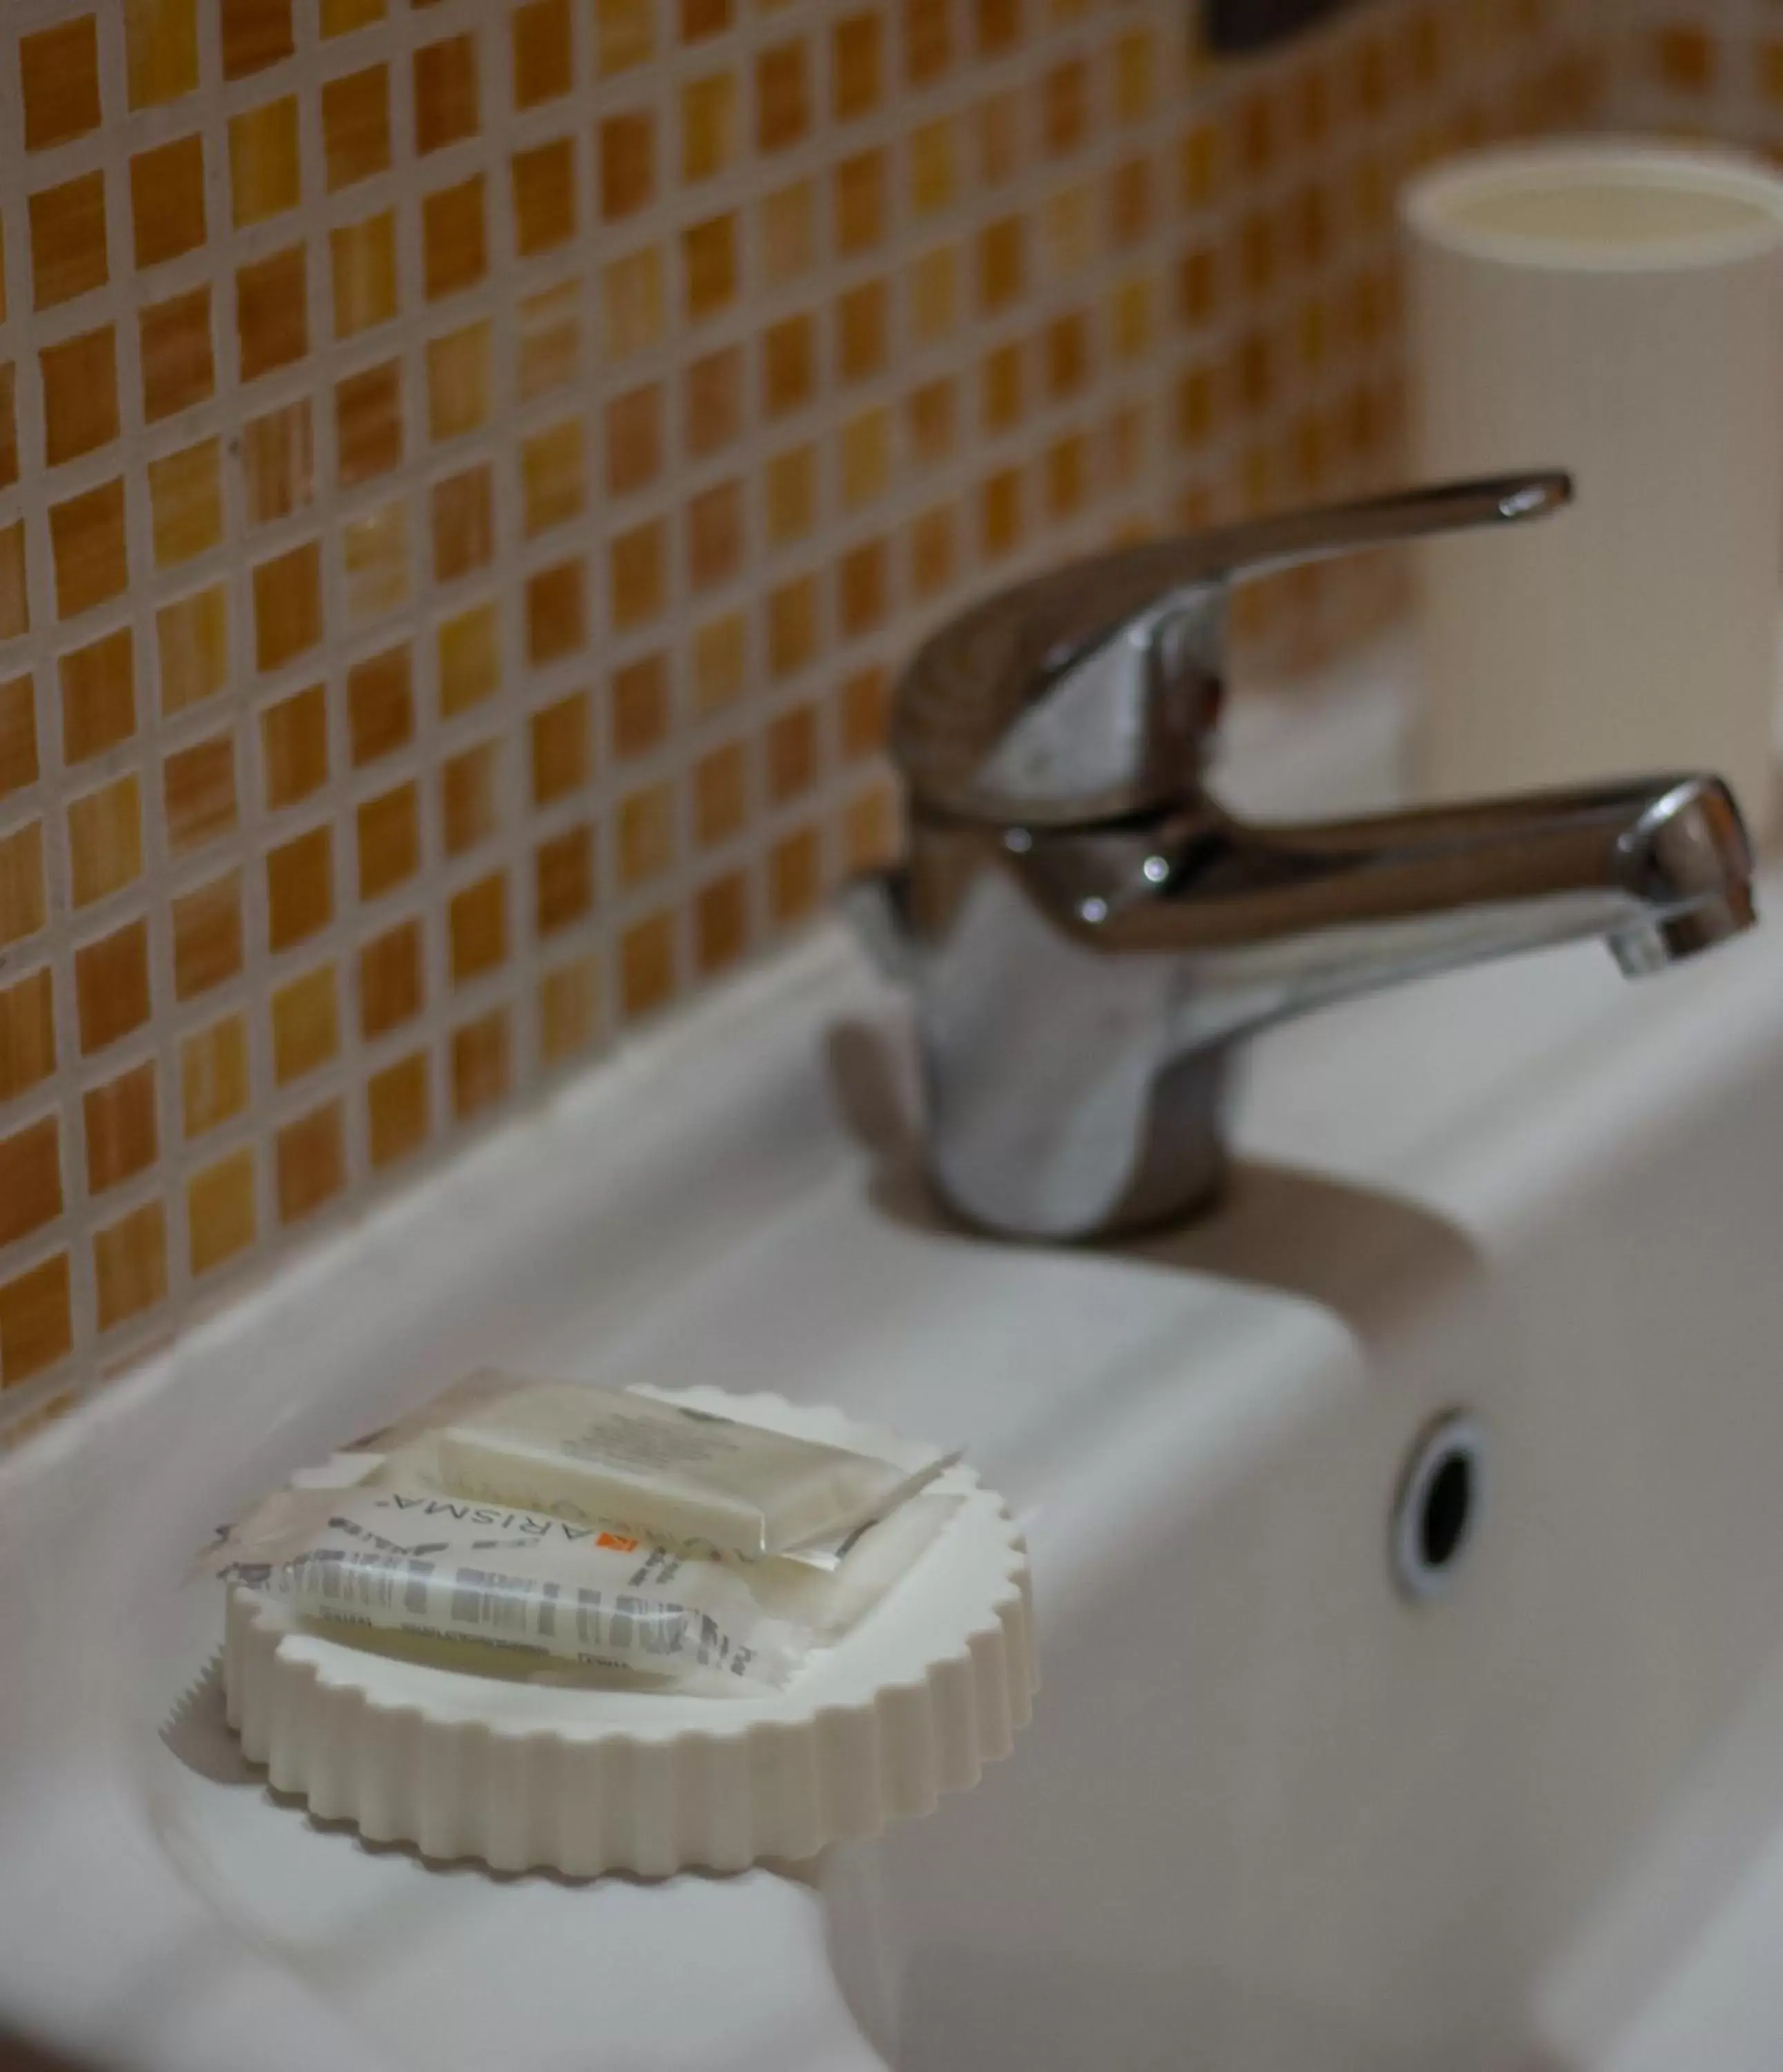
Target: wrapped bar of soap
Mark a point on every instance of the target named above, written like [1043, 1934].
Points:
[686, 1475]
[409, 1560]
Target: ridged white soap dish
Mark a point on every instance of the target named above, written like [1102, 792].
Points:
[929, 1688]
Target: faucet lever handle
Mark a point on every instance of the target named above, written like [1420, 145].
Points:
[1256, 546]
[1091, 691]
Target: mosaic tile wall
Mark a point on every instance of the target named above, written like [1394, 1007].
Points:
[466, 471]
[1703, 67]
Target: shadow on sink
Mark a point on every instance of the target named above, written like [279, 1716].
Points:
[1063, 2009]
[1372, 1258]
[17, 2055]
[950, 2008]
[197, 1732]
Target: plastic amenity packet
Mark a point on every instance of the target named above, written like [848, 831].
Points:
[674, 1472]
[820, 1590]
[413, 1561]
[827, 1601]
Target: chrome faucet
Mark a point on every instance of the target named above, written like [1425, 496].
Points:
[1089, 933]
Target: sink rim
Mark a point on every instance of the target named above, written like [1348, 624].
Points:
[683, 1157]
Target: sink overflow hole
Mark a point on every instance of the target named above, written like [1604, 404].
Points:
[1437, 1513]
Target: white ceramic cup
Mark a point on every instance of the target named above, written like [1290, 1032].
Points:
[1615, 309]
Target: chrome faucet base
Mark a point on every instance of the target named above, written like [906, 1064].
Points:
[1090, 936]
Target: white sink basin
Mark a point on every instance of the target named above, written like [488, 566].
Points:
[1271, 1815]
[1274, 1816]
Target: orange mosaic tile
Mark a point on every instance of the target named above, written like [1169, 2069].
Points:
[130, 1265]
[186, 503]
[160, 50]
[721, 923]
[454, 250]
[167, 200]
[468, 476]
[389, 842]
[545, 197]
[36, 1320]
[355, 125]
[460, 381]
[445, 92]
[397, 1107]
[264, 176]
[221, 1216]
[549, 352]
[198, 803]
[481, 1066]
[477, 921]
[207, 938]
[177, 354]
[31, 1179]
[362, 259]
[111, 983]
[98, 696]
[543, 41]
[120, 1127]
[306, 1022]
[341, 18]
[192, 648]
[392, 981]
[310, 1158]
[253, 34]
[214, 1075]
[640, 708]
[69, 256]
[646, 966]
[564, 873]
[89, 547]
[105, 840]
[375, 562]
[15, 597]
[468, 806]
[646, 841]
[27, 1033]
[271, 312]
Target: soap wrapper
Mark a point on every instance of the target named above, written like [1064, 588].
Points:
[416, 1561]
[674, 1472]
[828, 1599]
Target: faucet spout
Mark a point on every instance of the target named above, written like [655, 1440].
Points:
[1271, 921]
[1083, 991]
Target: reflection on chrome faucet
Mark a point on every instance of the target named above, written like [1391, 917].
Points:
[1089, 933]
